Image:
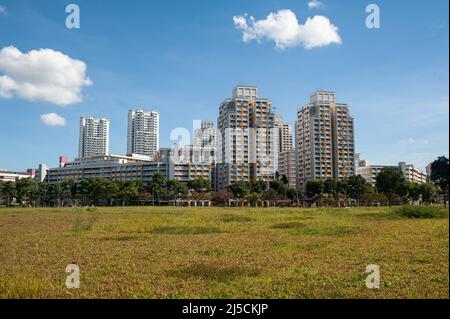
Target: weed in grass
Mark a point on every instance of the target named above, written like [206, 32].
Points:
[212, 272]
[338, 230]
[229, 218]
[288, 225]
[420, 212]
[84, 224]
[125, 237]
[185, 230]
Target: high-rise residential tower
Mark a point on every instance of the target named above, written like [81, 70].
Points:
[248, 139]
[206, 135]
[143, 132]
[284, 132]
[325, 140]
[94, 137]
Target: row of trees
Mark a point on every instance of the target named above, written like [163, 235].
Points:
[100, 191]
[390, 187]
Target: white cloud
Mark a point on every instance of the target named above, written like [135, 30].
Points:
[53, 119]
[315, 4]
[42, 75]
[283, 28]
[2, 10]
[412, 141]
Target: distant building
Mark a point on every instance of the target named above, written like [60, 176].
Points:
[287, 166]
[143, 132]
[207, 135]
[412, 173]
[41, 173]
[63, 160]
[8, 176]
[324, 140]
[128, 168]
[207, 138]
[370, 172]
[94, 137]
[284, 134]
[428, 169]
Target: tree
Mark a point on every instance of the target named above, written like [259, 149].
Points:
[428, 192]
[239, 189]
[176, 189]
[258, 186]
[284, 179]
[110, 190]
[9, 191]
[221, 197]
[356, 187]
[390, 182]
[157, 186]
[279, 187]
[253, 198]
[292, 193]
[330, 187]
[42, 192]
[439, 176]
[342, 186]
[314, 189]
[25, 190]
[199, 185]
[128, 190]
[413, 191]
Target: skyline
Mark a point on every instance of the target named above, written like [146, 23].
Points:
[185, 78]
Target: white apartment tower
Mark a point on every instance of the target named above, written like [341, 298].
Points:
[325, 140]
[143, 132]
[94, 137]
[284, 132]
[207, 135]
[248, 139]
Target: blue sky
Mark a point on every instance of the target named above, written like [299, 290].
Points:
[183, 58]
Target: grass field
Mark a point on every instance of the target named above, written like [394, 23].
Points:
[167, 252]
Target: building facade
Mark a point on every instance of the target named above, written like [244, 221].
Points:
[370, 172]
[128, 168]
[8, 176]
[143, 132]
[284, 132]
[412, 173]
[287, 166]
[324, 140]
[94, 137]
[248, 138]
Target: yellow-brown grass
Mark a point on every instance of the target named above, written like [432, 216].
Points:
[167, 252]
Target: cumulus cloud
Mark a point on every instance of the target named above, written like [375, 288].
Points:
[315, 4]
[283, 28]
[53, 119]
[42, 75]
[2, 10]
[412, 141]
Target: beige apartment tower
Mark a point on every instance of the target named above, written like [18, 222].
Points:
[324, 140]
[248, 138]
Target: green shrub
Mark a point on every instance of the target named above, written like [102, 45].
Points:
[420, 212]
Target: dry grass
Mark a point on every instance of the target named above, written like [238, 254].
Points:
[145, 252]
